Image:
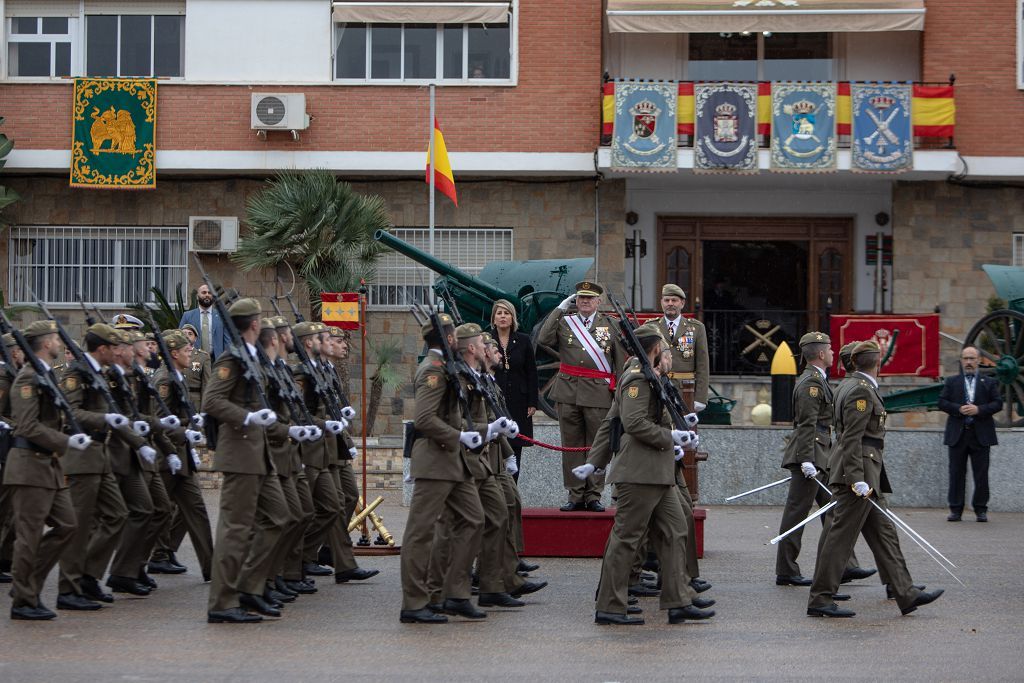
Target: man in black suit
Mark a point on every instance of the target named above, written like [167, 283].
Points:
[971, 400]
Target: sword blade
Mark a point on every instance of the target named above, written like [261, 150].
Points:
[759, 488]
[899, 525]
[921, 538]
[818, 513]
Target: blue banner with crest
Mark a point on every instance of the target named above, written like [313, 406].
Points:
[645, 137]
[883, 138]
[803, 127]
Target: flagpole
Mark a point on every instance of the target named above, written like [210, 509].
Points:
[433, 174]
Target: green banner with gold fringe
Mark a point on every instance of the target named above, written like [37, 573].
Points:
[114, 133]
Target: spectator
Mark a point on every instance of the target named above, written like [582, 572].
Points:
[971, 400]
[213, 335]
[516, 373]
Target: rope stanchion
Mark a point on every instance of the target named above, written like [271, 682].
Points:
[551, 447]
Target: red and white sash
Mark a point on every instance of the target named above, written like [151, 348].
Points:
[590, 345]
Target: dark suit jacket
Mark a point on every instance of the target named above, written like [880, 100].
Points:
[986, 397]
[519, 382]
[218, 335]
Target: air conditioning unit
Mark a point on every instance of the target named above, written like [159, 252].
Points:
[213, 234]
[279, 111]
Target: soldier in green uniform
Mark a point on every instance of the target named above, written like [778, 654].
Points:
[40, 495]
[590, 358]
[857, 472]
[7, 375]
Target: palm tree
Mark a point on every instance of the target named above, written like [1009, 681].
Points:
[387, 353]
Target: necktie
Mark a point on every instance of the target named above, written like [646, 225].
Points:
[204, 323]
[672, 329]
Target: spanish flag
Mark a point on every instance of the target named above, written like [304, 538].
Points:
[443, 178]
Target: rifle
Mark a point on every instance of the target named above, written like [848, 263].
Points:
[250, 371]
[172, 372]
[44, 374]
[453, 365]
[284, 384]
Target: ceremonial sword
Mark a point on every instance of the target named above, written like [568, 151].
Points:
[759, 488]
[817, 513]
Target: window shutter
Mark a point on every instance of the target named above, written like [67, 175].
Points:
[41, 8]
[135, 7]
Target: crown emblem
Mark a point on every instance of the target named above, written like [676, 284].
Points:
[763, 324]
[804, 107]
[645, 107]
[726, 109]
[882, 101]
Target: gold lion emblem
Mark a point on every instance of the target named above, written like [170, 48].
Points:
[862, 405]
[633, 391]
[115, 127]
[814, 392]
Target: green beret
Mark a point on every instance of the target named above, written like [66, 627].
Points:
[648, 331]
[489, 340]
[673, 290]
[467, 331]
[444, 318]
[847, 350]
[587, 288]
[245, 307]
[105, 332]
[336, 331]
[869, 346]
[814, 338]
[190, 326]
[175, 339]
[304, 329]
[9, 340]
[279, 322]
[39, 328]
[149, 336]
[266, 324]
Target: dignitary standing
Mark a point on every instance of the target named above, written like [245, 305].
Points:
[515, 372]
[590, 358]
[689, 343]
[970, 399]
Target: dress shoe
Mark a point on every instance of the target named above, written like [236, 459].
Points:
[436, 607]
[923, 598]
[831, 610]
[164, 567]
[463, 608]
[527, 588]
[74, 601]
[795, 580]
[573, 507]
[258, 604]
[91, 589]
[856, 574]
[651, 564]
[27, 613]
[5, 577]
[678, 615]
[953, 517]
[314, 569]
[703, 603]
[632, 600]
[981, 516]
[280, 587]
[889, 595]
[648, 575]
[700, 585]
[301, 587]
[146, 580]
[125, 584]
[235, 615]
[527, 567]
[173, 561]
[595, 506]
[634, 609]
[275, 599]
[499, 600]
[642, 591]
[612, 619]
[355, 574]
[840, 597]
[422, 616]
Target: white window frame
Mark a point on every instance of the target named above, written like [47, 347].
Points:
[398, 270]
[20, 274]
[72, 36]
[152, 46]
[1017, 250]
[513, 71]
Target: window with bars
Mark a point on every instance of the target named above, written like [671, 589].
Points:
[401, 282]
[104, 265]
[1018, 249]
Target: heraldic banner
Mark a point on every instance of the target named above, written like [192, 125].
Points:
[113, 142]
[803, 127]
[882, 127]
[644, 135]
[916, 346]
[725, 137]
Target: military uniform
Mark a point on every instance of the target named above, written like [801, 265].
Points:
[582, 390]
[7, 375]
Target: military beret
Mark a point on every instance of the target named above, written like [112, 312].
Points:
[190, 326]
[279, 322]
[673, 290]
[9, 340]
[814, 338]
[869, 346]
[245, 307]
[847, 350]
[126, 321]
[467, 331]
[489, 340]
[266, 324]
[587, 288]
[304, 329]
[39, 328]
[648, 331]
[444, 318]
[319, 326]
[133, 336]
[149, 336]
[105, 332]
[175, 339]
[124, 336]
[336, 331]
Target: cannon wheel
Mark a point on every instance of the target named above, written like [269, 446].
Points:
[999, 338]
[547, 370]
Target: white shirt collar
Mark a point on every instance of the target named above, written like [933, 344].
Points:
[93, 362]
[252, 349]
[673, 321]
[178, 373]
[824, 375]
[874, 382]
[119, 368]
[437, 351]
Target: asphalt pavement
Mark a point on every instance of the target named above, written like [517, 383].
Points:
[352, 632]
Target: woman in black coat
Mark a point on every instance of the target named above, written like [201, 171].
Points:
[517, 372]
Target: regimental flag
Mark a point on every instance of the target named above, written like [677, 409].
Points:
[444, 181]
[881, 140]
[726, 127]
[933, 111]
[340, 309]
[915, 349]
[645, 133]
[113, 130]
[803, 127]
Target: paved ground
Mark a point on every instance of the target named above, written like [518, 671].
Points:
[352, 632]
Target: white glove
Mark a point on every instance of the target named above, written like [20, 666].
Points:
[174, 463]
[79, 441]
[140, 427]
[496, 428]
[694, 441]
[808, 469]
[335, 427]
[314, 432]
[353, 452]
[348, 412]
[583, 471]
[261, 418]
[298, 433]
[170, 422]
[510, 464]
[862, 489]
[681, 437]
[194, 437]
[195, 457]
[691, 420]
[4, 426]
[566, 302]
[408, 479]
[148, 454]
[679, 452]
[512, 431]
[698, 406]
[471, 440]
[116, 420]
[198, 420]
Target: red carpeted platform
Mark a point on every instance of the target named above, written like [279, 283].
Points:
[549, 532]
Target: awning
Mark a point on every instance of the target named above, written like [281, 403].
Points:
[781, 16]
[417, 12]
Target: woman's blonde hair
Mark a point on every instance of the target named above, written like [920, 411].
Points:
[507, 305]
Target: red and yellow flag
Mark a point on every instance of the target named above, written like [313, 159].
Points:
[443, 178]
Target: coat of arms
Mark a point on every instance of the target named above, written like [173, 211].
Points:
[645, 121]
[726, 123]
